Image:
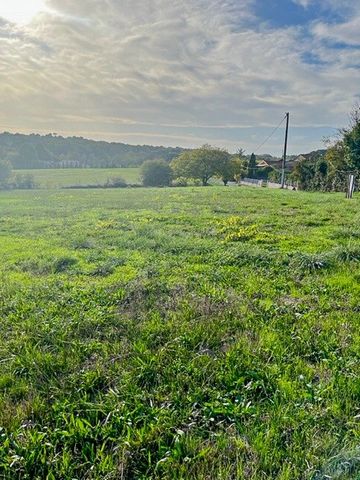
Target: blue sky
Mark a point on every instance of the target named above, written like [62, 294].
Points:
[286, 13]
[180, 73]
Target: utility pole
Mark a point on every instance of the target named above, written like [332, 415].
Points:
[350, 186]
[285, 151]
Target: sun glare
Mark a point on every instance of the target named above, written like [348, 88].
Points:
[21, 11]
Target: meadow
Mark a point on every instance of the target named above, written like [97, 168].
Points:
[179, 333]
[67, 177]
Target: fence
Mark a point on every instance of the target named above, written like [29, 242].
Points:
[253, 182]
[263, 183]
[274, 185]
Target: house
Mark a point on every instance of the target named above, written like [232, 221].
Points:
[263, 164]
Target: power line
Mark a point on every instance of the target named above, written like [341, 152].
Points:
[271, 134]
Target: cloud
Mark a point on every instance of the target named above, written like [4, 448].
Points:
[303, 3]
[94, 67]
[347, 33]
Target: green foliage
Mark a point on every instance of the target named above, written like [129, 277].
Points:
[232, 168]
[251, 173]
[312, 173]
[204, 163]
[5, 172]
[226, 166]
[116, 182]
[156, 173]
[24, 181]
[54, 151]
[137, 344]
[274, 176]
[331, 171]
[337, 170]
[48, 178]
[239, 165]
[180, 182]
[351, 140]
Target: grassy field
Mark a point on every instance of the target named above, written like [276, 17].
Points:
[196, 333]
[65, 177]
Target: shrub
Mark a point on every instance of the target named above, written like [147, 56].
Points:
[23, 181]
[180, 182]
[156, 173]
[5, 172]
[116, 182]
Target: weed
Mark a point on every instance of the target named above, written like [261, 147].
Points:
[308, 263]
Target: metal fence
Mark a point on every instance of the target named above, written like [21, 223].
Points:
[253, 182]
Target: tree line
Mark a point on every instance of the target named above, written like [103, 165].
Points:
[54, 151]
[324, 170]
[198, 165]
[330, 170]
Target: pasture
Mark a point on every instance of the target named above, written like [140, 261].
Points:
[67, 177]
[190, 333]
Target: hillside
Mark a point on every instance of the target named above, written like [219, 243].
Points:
[53, 151]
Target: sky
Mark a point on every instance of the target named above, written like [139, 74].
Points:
[181, 72]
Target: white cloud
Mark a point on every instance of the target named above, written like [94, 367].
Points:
[347, 32]
[99, 65]
[303, 3]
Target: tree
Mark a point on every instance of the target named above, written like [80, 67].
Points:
[343, 157]
[5, 172]
[156, 173]
[233, 167]
[202, 164]
[23, 181]
[225, 167]
[311, 173]
[337, 167]
[274, 176]
[54, 151]
[351, 139]
[240, 165]
[252, 166]
[303, 174]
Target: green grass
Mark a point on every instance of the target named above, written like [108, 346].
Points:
[65, 177]
[195, 333]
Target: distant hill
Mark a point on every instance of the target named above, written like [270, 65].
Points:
[53, 151]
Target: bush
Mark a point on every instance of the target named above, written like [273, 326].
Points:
[23, 181]
[156, 173]
[274, 176]
[116, 182]
[5, 172]
[180, 182]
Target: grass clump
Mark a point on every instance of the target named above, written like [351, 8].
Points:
[348, 253]
[309, 263]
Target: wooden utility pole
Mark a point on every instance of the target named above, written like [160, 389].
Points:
[285, 151]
